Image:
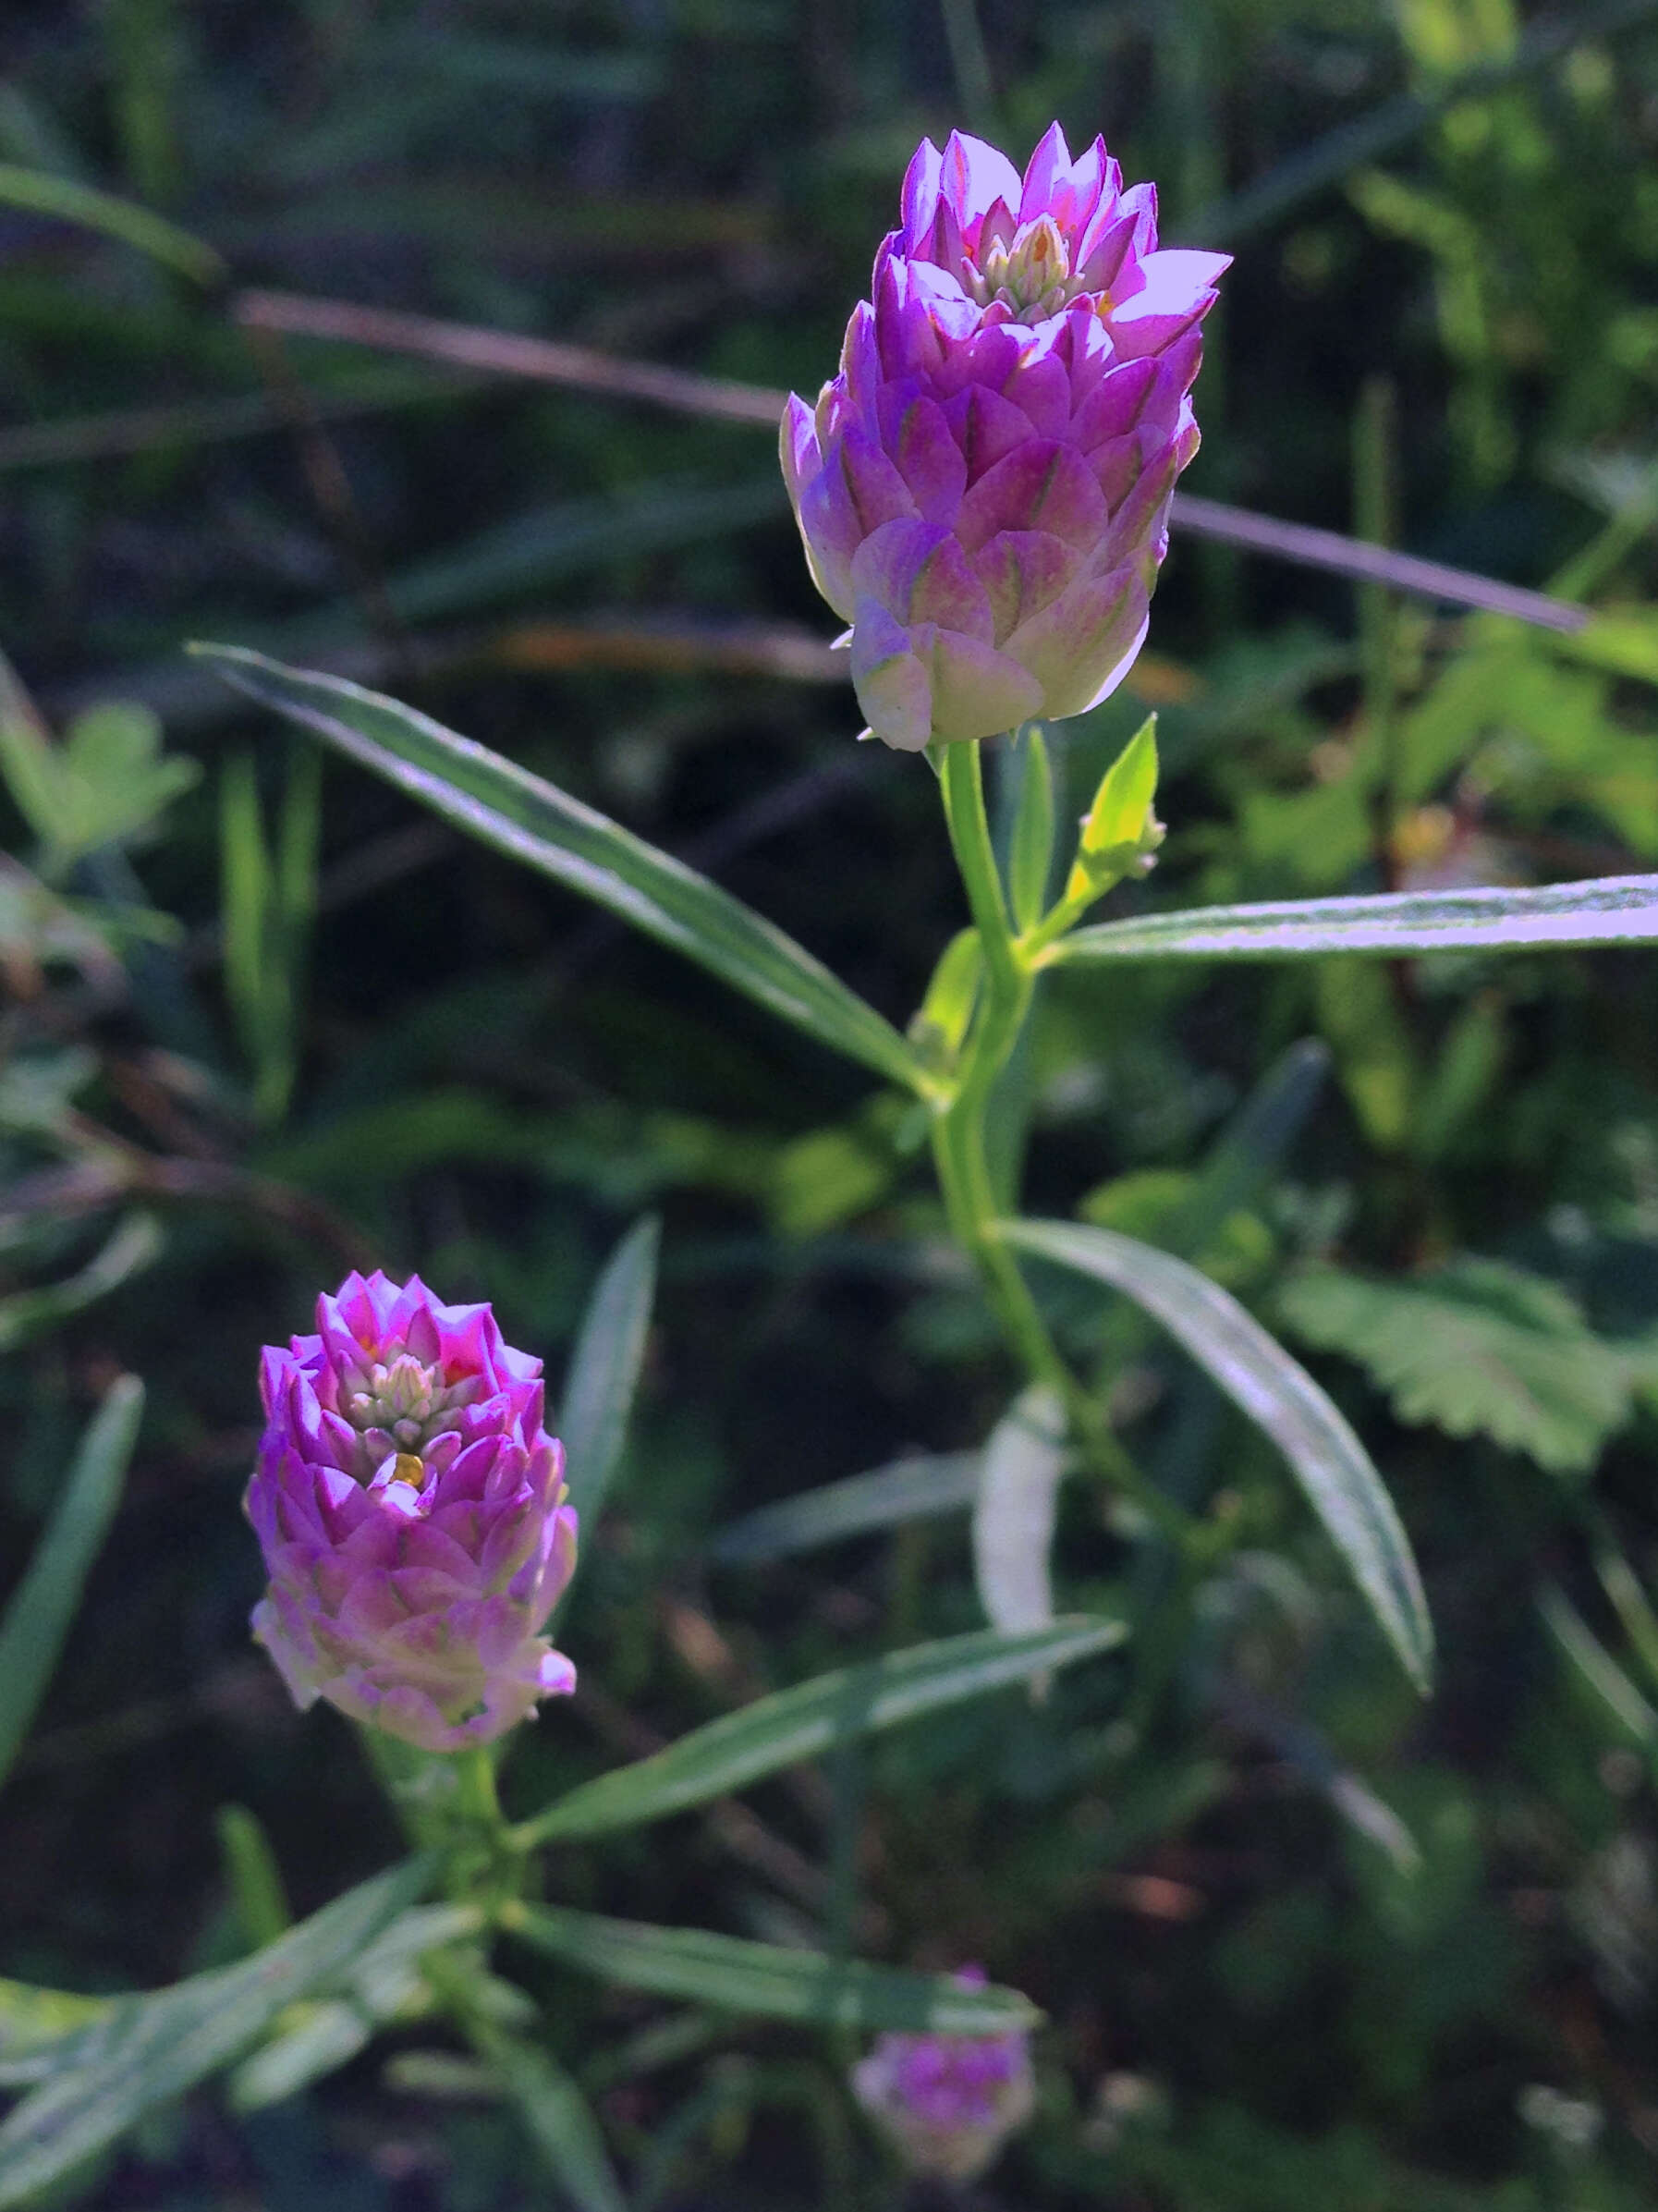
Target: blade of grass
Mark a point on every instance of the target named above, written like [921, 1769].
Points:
[37, 1620]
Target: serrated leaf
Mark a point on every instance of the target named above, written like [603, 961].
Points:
[812, 1717]
[532, 821]
[37, 1619]
[1478, 1349]
[1609, 909]
[1281, 1398]
[605, 1368]
[150, 2049]
[738, 1976]
[910, 1489]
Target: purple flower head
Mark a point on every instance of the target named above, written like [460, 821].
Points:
[411, 1507]
[984, 490]
[947, 2103]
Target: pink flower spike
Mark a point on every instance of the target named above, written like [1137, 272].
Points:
[416, 1529]
[1020, 368]
[948, 2103]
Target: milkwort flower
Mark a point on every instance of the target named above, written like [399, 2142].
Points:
[411, 1510]
[984, 490]
[948, 2103]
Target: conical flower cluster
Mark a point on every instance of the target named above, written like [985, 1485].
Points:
[948, 2103]
[984, 490]
[411, 1507]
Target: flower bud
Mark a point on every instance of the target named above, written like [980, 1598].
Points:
[948, 2103]
[984, 490]
[411, 1507]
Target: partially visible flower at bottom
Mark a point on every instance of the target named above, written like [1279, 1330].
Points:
[948, 2103]
[412, 1508]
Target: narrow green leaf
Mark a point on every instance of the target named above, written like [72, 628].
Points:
[738, 1976]
[940, 1022]
[42, 193]
[1025, 1459]
[800, 1723]
[1614, 1695]
[44, 1605]
[534, 822]
[604, 1369]
[909, 1489]
[1281, 1398]
[556, 2117]
[1032, 853]
[1607, 910]
[135, 1242]
[35, 2023]
[317, 2042]
[254, 1877]
[151, 2049]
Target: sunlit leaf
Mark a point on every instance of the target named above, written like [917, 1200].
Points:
[520, 814]
[1608, 910]
[1281, 1398]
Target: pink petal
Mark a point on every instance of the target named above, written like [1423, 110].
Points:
[919, 572]
[985, 427]
[893, 688]
[1023, 570]
[973, 177]
[977, 691]
[917, 439]
[1042, 485]
[1084, 642]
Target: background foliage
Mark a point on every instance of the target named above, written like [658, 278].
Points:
[1299, 1938]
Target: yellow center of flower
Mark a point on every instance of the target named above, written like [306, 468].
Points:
[411, 1468]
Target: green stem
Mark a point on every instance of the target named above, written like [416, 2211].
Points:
[959, 1138]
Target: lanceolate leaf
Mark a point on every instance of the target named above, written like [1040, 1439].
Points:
[603, 1374]
[33, 2023]
[1611, 909]
[763, 1978]
[520, 814]
[800, 1723]
[1281, 1398]
[151, 2049]
[906, 1490]
[1013, 1516]
[38, 1618]
[556, 2117]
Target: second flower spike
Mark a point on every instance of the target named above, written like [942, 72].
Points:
[412, 1508]
[984, 490]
